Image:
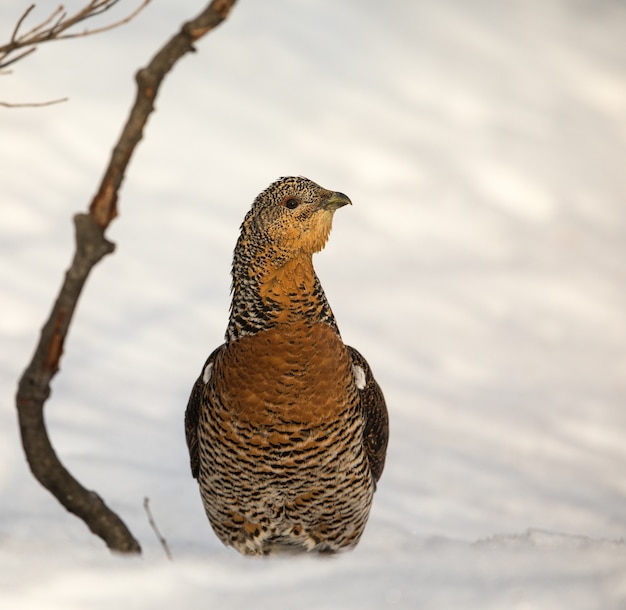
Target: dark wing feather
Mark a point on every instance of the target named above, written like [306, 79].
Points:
[192, 416]
[376, 434]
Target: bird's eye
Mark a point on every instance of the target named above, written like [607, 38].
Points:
[291, 202]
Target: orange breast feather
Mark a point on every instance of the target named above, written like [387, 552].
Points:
[290, 373]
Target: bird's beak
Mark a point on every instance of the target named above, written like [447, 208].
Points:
[334, 200]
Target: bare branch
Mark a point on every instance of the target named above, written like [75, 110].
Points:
[56, 23]
[18, 25]
[34, 389]
[155, 529]
[91, 246]
[98, 7]
[33, 104]
[111, 26]
[19, 56]
[57, 14]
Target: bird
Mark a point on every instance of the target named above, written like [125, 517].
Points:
[286, 427]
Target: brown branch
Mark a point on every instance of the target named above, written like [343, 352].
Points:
[57, 14]
[33, 104]
[17, 57]
[91, 247]
[155, 529]
[106, 28]
[18, 25]
[53, 26]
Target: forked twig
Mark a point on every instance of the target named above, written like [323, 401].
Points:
[56, 26]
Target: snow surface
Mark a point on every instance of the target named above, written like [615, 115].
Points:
[481, 271]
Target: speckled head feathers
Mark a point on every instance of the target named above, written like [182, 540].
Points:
[292, 216]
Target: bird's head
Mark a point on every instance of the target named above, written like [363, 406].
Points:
[292, 217]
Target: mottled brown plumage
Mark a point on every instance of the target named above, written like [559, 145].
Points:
[286, 427]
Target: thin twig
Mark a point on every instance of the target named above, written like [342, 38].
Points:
[106, 28]
[33, 104]
[37, 28]
[18, 25]
[93, 9]
[18, 57]
[59, 25]
[153, 525]
[97, 7]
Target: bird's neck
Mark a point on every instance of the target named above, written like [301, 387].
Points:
[267, 296]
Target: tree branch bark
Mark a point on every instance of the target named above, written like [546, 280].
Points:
[91, 246]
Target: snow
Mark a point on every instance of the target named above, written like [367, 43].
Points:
[480, 271]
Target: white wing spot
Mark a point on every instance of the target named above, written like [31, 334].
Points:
[206, 374]
[359, 376]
